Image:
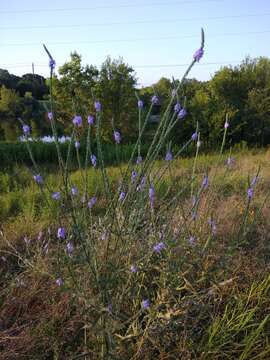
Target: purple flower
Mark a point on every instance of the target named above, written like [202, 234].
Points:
[50, 115]
[169, 156]
[117, 137]
[226, 125]
[26, 129]
[198, 54]
[56, 195]
[140, 104]
[151, 195]
[254, 181]
[205, 182]
[133, 268]
[61, 233]
[90, 120]
[182, 113]
[77, 120]
[40, 234]
[38, 179]
[177, 107]
[92, 202]
[93, 160]
[250, 193]
[213, 226]
[97, 106]
[154, 100]
[122, 196]
[74, 191]
[194, 136]
[77, 144]
[70, 248]
[159, 247]
[192, 240]
[46, 248]
[142, 184]
[52, 64]
[230, 161]
[133, 175]
[59, 282]
[146, 304]
[139, 160]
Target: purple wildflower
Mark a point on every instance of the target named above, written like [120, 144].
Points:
[122, 196]
[46, 248]
[74, 191]
[117, 137]
[59, 282]
[97, 106]
[146, 304]
[50, 115]
[182, 113]
[133, 268]
[92, 202]
[77, 120]
[77, 144]
[230, 161]
[56, 195]
[159, 247]
[70, 248]
[139, 160]
[52, 64]
[198, 54]
[213, 226]
[93, 160]
[177, 107]
[226, 125]
[205, 182]
[192, 240]
[40, 235]
[133, 175]
[26, 129]
[169, 156]
[254, 181]
[38, 179]
[151, 195]
[61, 233]
[140, 104]
[250, 193]
[154, 100]
[194, 136]
[90, 120]
[142, 184]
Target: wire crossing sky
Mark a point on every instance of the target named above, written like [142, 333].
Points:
[156, 37]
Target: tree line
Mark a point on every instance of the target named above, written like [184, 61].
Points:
[241, 92]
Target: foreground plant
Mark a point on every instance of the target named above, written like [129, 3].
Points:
[138, 256]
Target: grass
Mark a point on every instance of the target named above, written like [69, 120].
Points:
[209, 300]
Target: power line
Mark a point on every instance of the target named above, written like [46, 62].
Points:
[135, 22]
[138, 39]
[138, 66]
[127, 5]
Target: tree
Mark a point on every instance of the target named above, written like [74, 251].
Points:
[115, 90]
[73, 89]
[10, 109]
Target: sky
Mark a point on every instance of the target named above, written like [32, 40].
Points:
[156, 37]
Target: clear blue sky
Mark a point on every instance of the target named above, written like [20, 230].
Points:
[150, 32]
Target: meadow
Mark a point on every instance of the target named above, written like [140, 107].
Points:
[158, 256]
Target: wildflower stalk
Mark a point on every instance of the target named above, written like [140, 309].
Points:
[194, 165]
